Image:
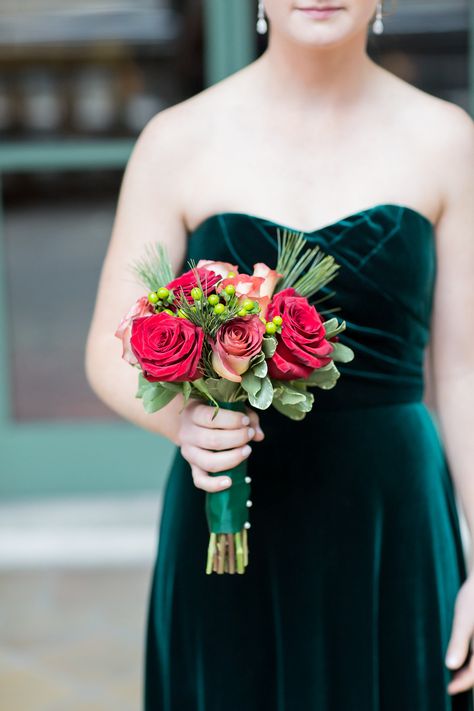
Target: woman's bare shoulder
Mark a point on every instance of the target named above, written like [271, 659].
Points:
[175, 129]
[438, 121]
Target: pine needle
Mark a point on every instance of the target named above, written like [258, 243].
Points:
[305, 269]
[154, 269]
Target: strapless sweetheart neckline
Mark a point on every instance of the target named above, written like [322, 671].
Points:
[350, 216]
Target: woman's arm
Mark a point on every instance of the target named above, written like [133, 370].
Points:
[148, 210]
[452, 341]
[452, 352]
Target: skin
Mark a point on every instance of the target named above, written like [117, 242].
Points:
[311, 131]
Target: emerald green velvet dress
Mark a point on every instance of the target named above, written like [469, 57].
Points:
[355, 554]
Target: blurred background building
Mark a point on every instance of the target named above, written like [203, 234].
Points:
[80, 488]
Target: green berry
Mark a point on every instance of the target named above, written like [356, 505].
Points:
[219, 309]
[196, 293]
[270, 328]
[163, 292]
[168, 311]
[153, 297]
[230, 289]
[213, 299]
[277, 320]
[230, 275]
[248, 304]
[242, 313]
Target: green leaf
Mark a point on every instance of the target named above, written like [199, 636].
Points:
[261, 369]
[187, 390]
[201, 387]
[143, 385]
[325, 377]
[269, 345]
[291, 395]
[251, 383]
[289, 410]
[156, 398]
[333, 327]
[257, 359]
[224, 390]
[342, 353]
[264, 396]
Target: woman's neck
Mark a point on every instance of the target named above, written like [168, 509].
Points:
[303, 75]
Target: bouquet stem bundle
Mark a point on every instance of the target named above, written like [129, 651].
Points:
[226, 513]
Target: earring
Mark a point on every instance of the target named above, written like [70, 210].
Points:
[377, 27]
[261, 21]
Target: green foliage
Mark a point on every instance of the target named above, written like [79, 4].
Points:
[304, 268]
[269, 345]
[324, 378]
[156, 395]
[154, 269]
[292, 399]
[342, 353]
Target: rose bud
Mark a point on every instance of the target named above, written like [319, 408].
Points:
[237, 342]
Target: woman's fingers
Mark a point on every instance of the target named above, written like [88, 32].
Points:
[207, 438]
[202, 480]
[255, 424]
[225, 419]
[214, 461]
[462, 679]
[461, 636]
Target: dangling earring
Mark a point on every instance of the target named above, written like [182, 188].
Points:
[377, 27]
[261, 21]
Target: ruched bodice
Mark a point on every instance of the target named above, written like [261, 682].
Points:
[384, 291]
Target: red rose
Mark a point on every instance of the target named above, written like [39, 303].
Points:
[237, 341]
[188, 281]
[302, 346]
[167, 348]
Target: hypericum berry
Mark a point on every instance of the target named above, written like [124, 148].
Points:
[230, 275]
[168, 311]
[248, 304]
[277, 320]
[196, 293]
[153, 297]
[230, 289]
[163, 292]
[242, 313]
[219, 309]
[270, 328]
[213, 299]
[181, 313]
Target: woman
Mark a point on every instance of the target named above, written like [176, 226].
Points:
[356, 597]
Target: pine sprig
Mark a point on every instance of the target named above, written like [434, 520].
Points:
[305, 269]
[154, 269]
[201, 313]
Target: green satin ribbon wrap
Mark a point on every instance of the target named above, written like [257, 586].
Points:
[227, 510]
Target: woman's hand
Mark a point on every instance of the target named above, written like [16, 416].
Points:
[229, 433]
[461, 636]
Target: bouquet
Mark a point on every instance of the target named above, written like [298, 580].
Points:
[231, 339]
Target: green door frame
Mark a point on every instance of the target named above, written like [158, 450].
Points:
[50, 457]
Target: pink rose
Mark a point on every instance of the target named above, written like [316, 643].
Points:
[140, 308]
[237, 341]
[221, 268]
[258, 287]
